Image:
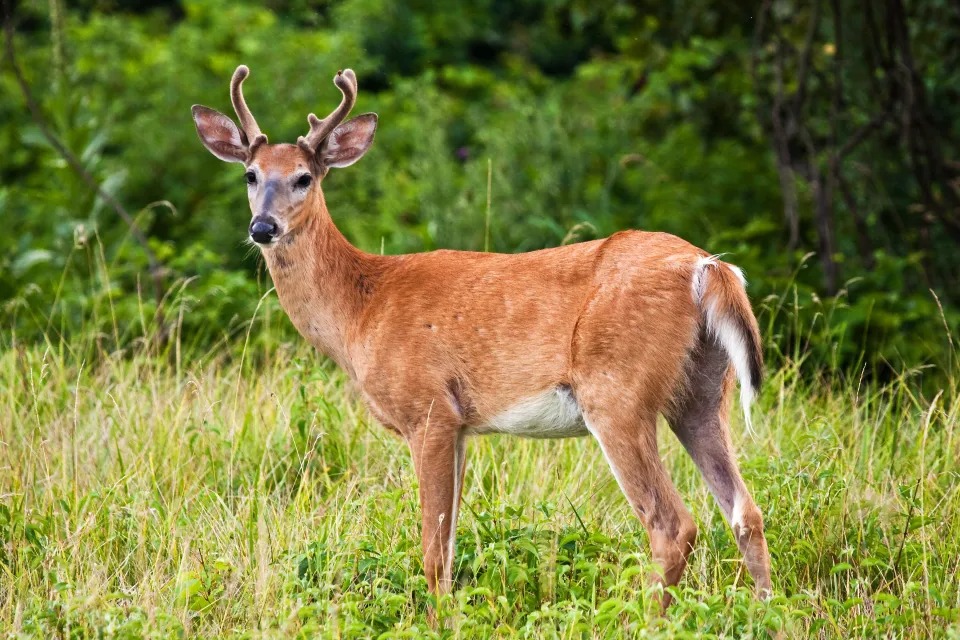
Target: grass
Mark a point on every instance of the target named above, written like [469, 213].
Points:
[156, 496]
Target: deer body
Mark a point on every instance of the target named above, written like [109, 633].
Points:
[594, 338]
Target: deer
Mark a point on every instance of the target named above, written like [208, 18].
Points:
[597, 339]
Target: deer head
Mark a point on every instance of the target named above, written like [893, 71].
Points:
[283, 180]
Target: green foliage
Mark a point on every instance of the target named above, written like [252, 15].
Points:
[589, 120]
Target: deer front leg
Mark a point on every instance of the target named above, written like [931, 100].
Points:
[438, 456]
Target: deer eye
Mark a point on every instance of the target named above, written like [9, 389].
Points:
[251, 177]
[304, 181]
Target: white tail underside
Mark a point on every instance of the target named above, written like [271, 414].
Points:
[725, 330]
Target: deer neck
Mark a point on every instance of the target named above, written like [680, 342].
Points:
[322, 281]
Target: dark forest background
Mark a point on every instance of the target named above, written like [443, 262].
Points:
[816, 144]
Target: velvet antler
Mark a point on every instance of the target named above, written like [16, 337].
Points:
[248, 123]
[346, 81]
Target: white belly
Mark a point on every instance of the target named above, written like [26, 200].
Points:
[552, 414]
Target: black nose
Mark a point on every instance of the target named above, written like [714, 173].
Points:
[263, 230]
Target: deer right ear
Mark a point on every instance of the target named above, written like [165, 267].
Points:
[219, 134]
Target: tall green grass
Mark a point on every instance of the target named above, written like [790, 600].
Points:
[243, 491]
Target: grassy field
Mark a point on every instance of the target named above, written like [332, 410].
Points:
[253, 496]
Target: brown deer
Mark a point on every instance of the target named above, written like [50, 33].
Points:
[594, 338]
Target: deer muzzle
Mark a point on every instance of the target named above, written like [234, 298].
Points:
[263, 230]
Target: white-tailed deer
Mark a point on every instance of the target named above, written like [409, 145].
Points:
[594, 338]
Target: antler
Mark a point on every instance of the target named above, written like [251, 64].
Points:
[346, 81]
[247, 121]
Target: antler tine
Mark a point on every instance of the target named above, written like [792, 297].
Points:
[247, 121]
[346, 81]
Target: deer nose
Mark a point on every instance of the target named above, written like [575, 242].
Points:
[263, 230]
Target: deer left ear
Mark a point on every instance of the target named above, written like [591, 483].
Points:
[348, 141]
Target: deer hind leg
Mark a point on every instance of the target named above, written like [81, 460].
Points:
[701, 422]
[630, 448]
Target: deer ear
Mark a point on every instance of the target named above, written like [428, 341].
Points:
[219, 134]
[349, 141]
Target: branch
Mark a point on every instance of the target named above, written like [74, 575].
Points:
[864, 245]
[805, 56]
[779, 135]
[36, 113]
[760, 23]
[861, 134]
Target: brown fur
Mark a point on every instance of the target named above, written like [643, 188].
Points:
[444, 341]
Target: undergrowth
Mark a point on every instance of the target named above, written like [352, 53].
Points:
[247, 493]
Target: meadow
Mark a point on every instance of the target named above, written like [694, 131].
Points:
[245, 492]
